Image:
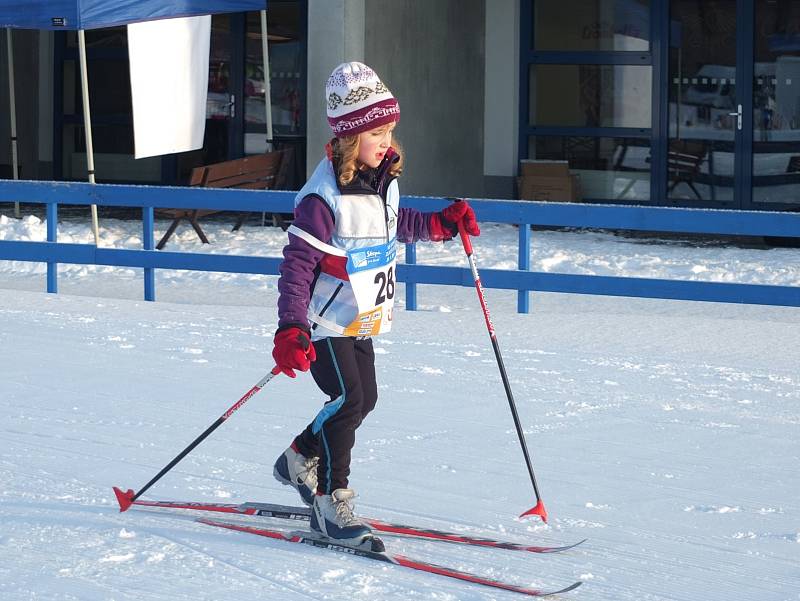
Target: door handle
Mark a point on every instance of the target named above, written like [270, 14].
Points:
[738, 115]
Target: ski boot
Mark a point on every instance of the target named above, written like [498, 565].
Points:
[332, 518]
[300, 472]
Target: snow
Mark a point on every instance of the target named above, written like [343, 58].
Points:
[665, 432]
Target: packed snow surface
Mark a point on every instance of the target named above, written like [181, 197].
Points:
[667, 433]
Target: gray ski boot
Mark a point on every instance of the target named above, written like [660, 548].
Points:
[333, 518]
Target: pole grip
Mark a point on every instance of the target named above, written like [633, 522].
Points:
[465, 239]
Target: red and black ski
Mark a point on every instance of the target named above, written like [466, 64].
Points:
[307, 538]
[271, 510]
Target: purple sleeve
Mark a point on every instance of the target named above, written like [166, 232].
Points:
[413, 225]
[300, 261]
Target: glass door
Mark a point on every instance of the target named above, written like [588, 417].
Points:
[287, 77]
[221, 102]
[705, 111]
[776, 103]
[287, 73]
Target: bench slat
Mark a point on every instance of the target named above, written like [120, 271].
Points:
[265, 177]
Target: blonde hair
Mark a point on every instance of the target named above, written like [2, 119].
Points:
[345, 155]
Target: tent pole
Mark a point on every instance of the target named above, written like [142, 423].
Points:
[12, 101]
[267, 90]
[267, 87]
[87, 121]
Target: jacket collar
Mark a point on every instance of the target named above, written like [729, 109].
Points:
[368, 181]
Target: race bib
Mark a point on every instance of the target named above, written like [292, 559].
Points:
[371, 272]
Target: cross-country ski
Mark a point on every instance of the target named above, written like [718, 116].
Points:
[308, 538]
[301, 513]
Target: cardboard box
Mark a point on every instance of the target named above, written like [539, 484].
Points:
[543, 168]
[558, 189]
[547, 180]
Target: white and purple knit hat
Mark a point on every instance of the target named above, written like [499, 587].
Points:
[358, 101]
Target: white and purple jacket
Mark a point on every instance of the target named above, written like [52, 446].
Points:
[329, 219]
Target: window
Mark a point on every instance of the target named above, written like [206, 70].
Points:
[590, 95]
[591, 25]
[588, 98]
[608, 168]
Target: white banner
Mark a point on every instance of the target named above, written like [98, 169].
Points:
[169, 84]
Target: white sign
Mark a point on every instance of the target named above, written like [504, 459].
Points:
[169, 84]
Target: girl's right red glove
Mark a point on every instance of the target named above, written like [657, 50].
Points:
[293, 350]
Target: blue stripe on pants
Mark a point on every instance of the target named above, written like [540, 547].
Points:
[328, 411]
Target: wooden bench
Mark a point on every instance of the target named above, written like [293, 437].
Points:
[683, 163]
[684, 160]
[256, 172]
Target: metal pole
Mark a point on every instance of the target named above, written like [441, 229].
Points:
[539, 508]
[12, 101]
[87, 123]
[267, 87]
[680, 95]
[148, 227]
[268, 147]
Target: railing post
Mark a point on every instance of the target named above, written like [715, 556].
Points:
[148, 241]
[411, 287]
[52, 236]
[523, 297]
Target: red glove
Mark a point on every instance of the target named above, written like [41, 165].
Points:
[460, 211]
[293, 350]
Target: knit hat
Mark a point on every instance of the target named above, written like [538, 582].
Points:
[358, 101]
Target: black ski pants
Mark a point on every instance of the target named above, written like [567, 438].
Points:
[345, 371]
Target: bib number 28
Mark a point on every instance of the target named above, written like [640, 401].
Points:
[385, 281]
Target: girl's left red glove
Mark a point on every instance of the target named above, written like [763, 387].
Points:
[460, 211]
[444, 225]
[293, 350]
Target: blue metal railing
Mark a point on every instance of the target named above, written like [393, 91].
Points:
[523, 213]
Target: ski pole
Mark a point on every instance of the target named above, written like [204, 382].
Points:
[127, 498]
[538, 509]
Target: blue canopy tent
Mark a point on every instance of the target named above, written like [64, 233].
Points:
[93, 14]
[80, 15]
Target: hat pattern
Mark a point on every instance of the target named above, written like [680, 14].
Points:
[360, 94]
[334, 100]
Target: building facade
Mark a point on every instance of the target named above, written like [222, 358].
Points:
[660, 102]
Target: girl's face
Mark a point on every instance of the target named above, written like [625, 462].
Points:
[374, 143]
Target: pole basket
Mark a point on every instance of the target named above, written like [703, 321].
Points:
[125, 499]
[537, 510]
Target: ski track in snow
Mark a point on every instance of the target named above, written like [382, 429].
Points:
[664, 432]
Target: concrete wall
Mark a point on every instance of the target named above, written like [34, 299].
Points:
[501, 98]
[431, 55]
[335, 35]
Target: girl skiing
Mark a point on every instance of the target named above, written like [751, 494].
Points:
[337, 287]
